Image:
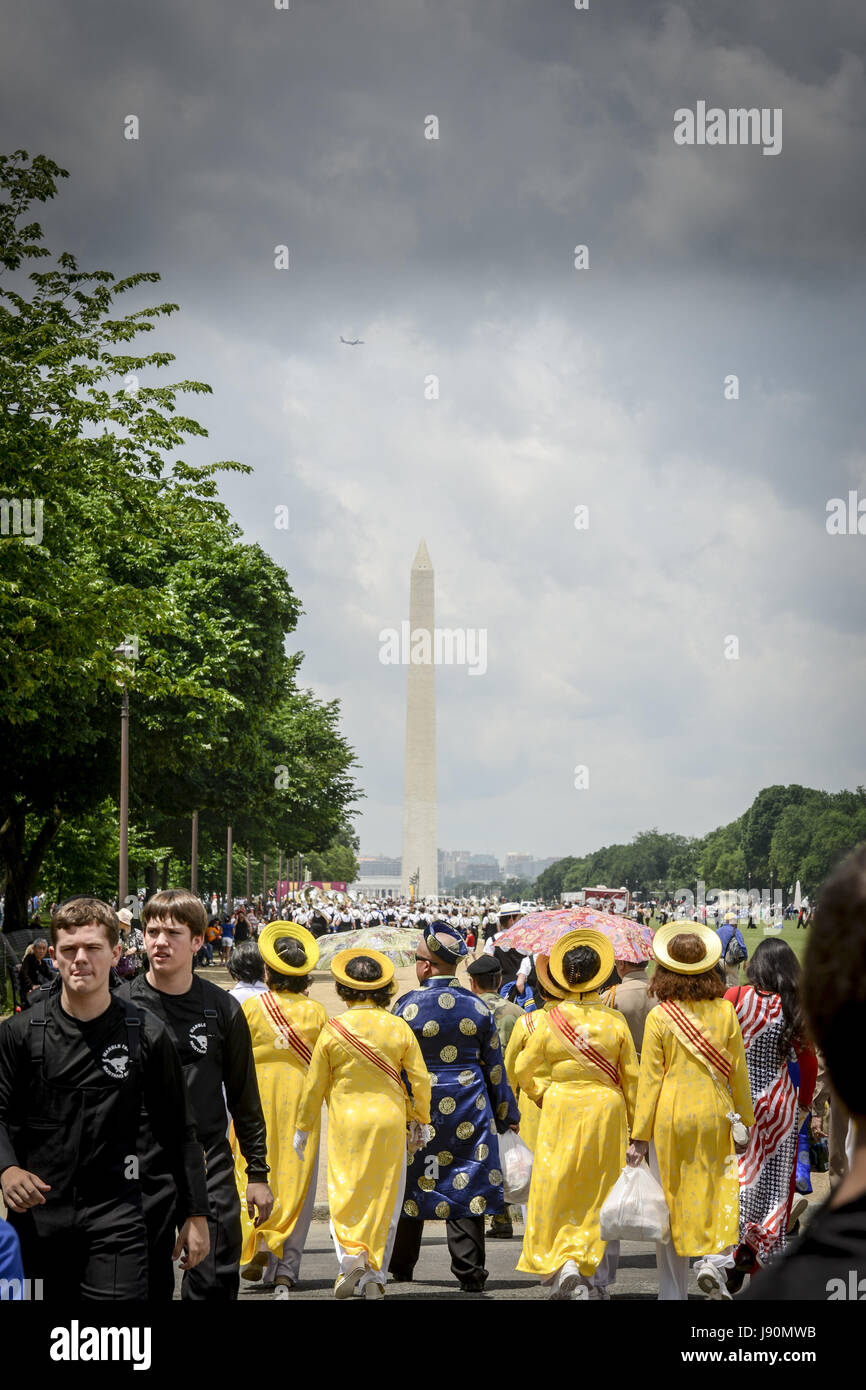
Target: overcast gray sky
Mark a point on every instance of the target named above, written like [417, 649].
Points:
[558, 387]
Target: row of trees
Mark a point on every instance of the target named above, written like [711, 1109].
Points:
[125, 542]
[788, 833]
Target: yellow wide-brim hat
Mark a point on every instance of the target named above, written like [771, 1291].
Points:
[583, 937]
[273, 933]
[710, 938]
[342, 958]
[551, 987]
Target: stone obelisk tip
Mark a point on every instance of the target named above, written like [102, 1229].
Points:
[422, 559]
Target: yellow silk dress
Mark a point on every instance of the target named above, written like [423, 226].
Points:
[681, 1109]
[367, 1118]
[522, 1031]
[582, 1135]
[281, 1074]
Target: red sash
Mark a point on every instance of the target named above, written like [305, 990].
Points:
[363, 1048]
[684, 1027]
[287, 1034]
[580, 1048]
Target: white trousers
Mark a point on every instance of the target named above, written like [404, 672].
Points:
[288, 1265]
[357, 1259]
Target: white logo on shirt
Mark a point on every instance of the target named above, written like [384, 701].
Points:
[115, 1061]
[198, 1038]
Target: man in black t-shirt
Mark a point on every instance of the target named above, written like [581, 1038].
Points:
[75, 1070]
[828, 1263]
[212, 1037]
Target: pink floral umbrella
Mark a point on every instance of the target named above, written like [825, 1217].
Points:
[540, 931]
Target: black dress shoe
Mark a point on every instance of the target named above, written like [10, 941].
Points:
[400, 1278]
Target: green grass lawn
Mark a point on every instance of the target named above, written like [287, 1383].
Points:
[796, 938]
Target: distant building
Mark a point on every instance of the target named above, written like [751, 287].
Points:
[521, 865]
[378, 886]
[377, 866]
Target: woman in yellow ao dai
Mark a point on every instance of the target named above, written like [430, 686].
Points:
[581, 1067]
[284, 1027]
[520, 1036]
[356, 1068]
[692, 1076]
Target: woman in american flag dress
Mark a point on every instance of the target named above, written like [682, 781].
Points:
[782, 1072]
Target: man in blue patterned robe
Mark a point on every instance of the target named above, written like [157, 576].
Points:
[457, 1178]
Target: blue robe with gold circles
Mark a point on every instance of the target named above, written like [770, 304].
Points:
[458, 1173]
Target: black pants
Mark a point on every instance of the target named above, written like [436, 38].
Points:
[465, 1237]
[100, 1254]
[217, 1278]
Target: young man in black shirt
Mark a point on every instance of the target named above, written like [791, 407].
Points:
[213, 1039]
[75, 1070]
[828, 1263]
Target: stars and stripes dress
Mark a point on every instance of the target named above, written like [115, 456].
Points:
[766, 1169]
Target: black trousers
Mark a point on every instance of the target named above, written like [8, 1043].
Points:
[465, 1236]
[100, 1254]
[217, 1278]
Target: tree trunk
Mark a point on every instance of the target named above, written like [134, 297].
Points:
[150, 876]
[22, 866]
[164, 879]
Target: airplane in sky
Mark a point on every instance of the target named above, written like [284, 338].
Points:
[352, 342]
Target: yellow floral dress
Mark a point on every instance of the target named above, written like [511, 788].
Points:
[586, 1109]
[522, 1031]
[367, 1115]
[281, 1071]
[680, 1108]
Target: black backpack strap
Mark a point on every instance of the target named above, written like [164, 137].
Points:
[214, 1035]
[133, 1020]
[36, 1031]
[133, 1037]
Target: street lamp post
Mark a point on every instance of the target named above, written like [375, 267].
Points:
[129, 649]
[229, 902]
[193, 855]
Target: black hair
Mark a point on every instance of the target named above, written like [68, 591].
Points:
[246, 964]
[381, 996]
[775, 968]
[834, 978]
[579, 964]
[293, 953]
[365, 968]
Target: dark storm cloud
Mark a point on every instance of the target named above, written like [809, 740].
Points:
[556, 125]
[261, 127]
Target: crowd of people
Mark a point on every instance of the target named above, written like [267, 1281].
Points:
[149, 1117]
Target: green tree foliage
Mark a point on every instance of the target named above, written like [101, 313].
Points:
[790, 832]
[134, 542]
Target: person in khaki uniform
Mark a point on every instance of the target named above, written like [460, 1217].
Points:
[485, 977]
[630, 997]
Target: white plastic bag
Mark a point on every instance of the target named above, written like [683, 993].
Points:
[635, 1208]
[516, 1160]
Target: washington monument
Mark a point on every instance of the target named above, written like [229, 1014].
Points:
[419, 796]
